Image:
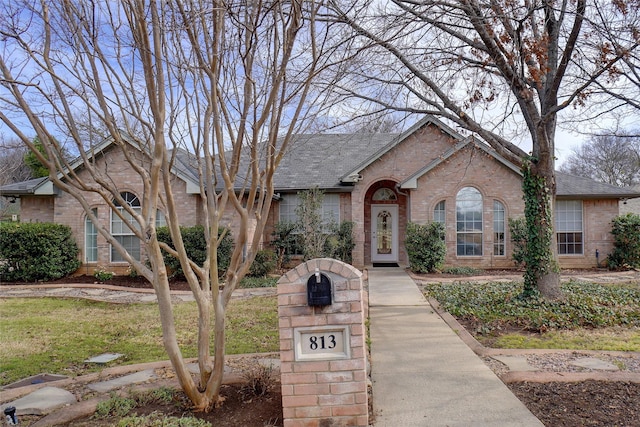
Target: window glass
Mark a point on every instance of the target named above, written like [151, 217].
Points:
[330, 209]
[90, 239]
[499, 219]
[569, 227]
[469, 222]
[121, 232]
[439, 213]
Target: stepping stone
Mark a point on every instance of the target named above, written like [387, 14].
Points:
[42, 401]
[19, 292]
[594, 363]
[57, 290]
[104, 358]
[119, 295]
[135, 378]
[516, 363]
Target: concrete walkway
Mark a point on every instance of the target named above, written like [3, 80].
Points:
[423, 374]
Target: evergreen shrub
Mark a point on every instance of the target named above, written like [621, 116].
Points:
[32, 252]
[626, 242]
[425, 246]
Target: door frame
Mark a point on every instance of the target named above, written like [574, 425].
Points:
[394, 255]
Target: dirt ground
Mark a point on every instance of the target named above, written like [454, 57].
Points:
[586, 403]
[240, 408]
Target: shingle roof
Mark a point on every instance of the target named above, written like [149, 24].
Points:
[22, 188]
[572, 186]
[321, 160]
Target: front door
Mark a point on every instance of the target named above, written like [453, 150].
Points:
[384, 233]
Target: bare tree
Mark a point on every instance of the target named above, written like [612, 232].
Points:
[614, 159]
[226, 82]
[12, 165]
[492, 68]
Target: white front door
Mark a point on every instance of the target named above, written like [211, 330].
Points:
[384, 233]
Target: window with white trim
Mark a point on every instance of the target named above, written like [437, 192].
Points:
[569, 227]
[499, 228]
[121, 232]
[469, 222]
[439, 213]
[90, 239]
[330, 210]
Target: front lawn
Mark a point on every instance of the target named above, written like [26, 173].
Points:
[56, 335]
[591, 317]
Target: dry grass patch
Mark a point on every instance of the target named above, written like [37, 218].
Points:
[57, 335]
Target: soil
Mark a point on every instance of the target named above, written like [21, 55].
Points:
[585, 403]
[240, 408]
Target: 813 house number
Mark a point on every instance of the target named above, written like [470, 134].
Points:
[322, 343]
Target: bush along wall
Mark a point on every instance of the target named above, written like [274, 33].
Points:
[196, 246]
[425, 247]
[626, 241]
[31, 252]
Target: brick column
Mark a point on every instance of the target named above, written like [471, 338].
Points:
[323, 382]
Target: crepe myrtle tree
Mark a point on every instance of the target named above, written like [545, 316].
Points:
[222, 84]
[495, 68]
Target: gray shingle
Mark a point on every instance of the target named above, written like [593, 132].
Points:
[577, 186]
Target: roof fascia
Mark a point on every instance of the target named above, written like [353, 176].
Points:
[354, 175]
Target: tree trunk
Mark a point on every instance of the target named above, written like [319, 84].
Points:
[542, 268]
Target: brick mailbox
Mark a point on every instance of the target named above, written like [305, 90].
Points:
[322, 345]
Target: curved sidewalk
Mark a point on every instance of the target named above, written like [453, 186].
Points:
[423, 374]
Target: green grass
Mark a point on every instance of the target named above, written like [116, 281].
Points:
[57, 335]
[591, 316]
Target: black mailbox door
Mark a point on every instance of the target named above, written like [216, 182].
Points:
[319, 290]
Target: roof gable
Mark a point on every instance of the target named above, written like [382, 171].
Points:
[412, 181]
[353, 174]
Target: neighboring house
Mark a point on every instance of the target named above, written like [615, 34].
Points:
[631, 205]
[379, 182]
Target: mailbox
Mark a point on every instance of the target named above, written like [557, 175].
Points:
[319, 289]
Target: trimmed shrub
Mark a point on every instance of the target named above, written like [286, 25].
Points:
[263, 264]
[425, 246]
[196, 247]
[37, 251]
[626, 235]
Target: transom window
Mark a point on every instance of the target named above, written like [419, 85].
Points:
[499, 218]
[569, 227]
[469, 222]
[121, 232]
[384, 194]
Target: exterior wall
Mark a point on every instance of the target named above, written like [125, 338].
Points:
[596, 229]
[36, 208]
[470, 167]
[69, 212]
[409, 156]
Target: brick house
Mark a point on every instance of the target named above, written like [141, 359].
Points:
[379, 182]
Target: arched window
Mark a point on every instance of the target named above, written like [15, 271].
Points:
[384, 194]
[499, 228]
[90, 239]
[469, 222]
[121, 232]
